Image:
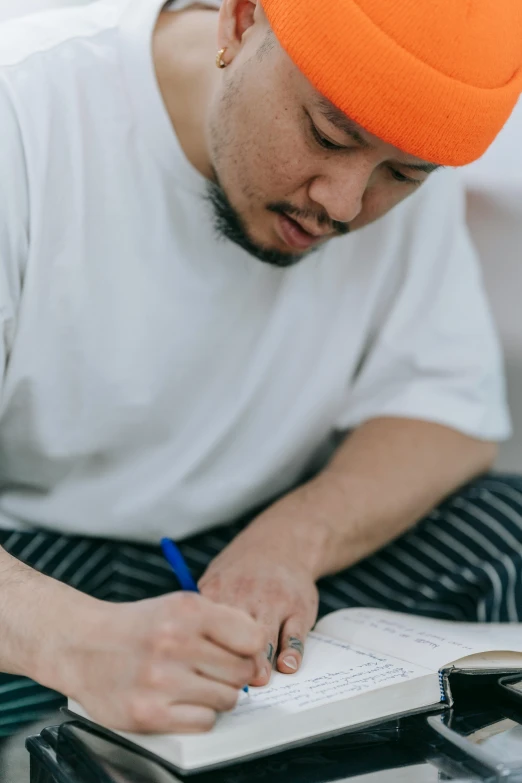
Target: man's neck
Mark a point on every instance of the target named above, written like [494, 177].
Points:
[184, 50]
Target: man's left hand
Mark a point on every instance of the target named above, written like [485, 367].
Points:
[262, 574]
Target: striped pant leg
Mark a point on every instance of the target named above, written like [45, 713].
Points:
[463, 562]
[141, 571]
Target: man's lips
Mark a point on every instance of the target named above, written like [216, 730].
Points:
[294, 235]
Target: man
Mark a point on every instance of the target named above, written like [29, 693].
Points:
[208, 276]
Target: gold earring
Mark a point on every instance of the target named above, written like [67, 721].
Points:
[220, 63]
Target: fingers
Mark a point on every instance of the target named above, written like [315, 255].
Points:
[189, 719]
[174, 704]
[233, 629]
[149, 717]
[291, 653]
[218, 664]
[265, 660]
[200, 691]
[284, 648]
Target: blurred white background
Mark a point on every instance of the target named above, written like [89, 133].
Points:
[495, 215]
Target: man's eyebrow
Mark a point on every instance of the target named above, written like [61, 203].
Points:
[426, 167]
[348, 126]
[341, 121]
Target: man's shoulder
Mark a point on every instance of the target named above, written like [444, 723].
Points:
[53, 66]
[46, 34]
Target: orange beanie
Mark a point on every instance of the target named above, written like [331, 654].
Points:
[436, 78]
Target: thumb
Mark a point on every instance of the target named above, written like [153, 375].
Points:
[293, 636]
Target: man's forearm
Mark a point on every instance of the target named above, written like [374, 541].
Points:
[35, 611]
[384, 478]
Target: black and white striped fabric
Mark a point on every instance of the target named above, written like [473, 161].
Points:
[463, 562]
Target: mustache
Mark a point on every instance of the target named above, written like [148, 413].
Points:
[321, 218]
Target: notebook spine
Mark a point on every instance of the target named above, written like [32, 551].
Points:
[441, 687]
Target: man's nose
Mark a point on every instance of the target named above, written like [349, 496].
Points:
[340, 193]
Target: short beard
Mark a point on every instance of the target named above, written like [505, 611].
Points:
[229, 225]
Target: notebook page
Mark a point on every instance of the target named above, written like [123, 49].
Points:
[331, 670]
[434, 643]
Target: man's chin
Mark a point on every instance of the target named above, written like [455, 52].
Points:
[271, 255]
[228, 224]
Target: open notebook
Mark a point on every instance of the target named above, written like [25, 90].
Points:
[360, 666]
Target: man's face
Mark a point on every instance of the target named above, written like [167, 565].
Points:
[292, 172]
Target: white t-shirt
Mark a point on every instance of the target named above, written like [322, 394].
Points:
[158, 381]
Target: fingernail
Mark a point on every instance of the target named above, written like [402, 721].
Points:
[290, 661]
[266, 672]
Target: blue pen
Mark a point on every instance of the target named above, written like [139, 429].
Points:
[178, 565]
[176, 561]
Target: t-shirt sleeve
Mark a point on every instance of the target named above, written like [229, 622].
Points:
[436, 356]
[14, 225]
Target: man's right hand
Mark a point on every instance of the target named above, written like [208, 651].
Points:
[162, 665]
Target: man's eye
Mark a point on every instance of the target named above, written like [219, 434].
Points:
[399, 177]
[324, 143]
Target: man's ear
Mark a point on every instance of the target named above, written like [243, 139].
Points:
[236, 17]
